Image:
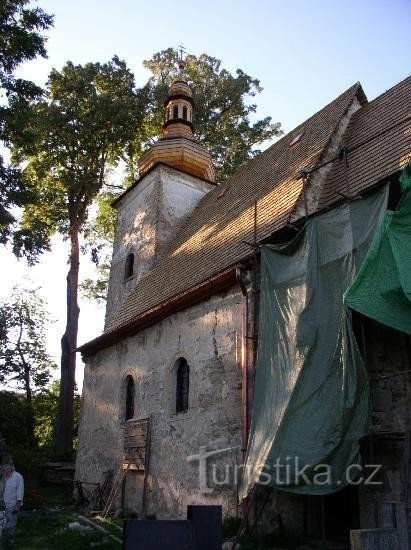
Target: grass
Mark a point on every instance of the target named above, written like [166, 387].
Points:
[46, 527]
[49, 530]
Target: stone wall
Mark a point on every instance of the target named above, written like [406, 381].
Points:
[149, 216]
[208, 336]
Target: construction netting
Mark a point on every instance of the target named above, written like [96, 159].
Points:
[311, 402]
[382, 288]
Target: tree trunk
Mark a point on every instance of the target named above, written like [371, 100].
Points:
[63, 431]
[30, 410]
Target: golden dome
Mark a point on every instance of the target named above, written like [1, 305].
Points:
[177, 148]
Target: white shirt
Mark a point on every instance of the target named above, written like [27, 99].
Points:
[13, 489]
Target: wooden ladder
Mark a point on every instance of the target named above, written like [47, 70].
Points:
[121, 474]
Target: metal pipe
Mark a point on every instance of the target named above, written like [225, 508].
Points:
[244, 379]
[244, 359]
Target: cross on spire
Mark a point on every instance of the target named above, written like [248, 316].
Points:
[182, 50]
[180, 62]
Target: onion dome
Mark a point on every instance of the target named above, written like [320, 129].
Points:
[177, 148]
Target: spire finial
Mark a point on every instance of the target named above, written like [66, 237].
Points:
[180, 61]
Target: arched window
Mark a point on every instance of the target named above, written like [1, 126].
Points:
[185, 113]
[130, 390]
[175, 111]
[129, 268]
[182, 384]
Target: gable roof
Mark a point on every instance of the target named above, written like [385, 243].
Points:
[214, 238]
[378, 144]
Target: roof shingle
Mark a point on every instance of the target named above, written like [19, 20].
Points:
[378, 141]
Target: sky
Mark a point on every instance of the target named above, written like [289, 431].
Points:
[304, 52]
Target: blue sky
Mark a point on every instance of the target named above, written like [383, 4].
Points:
[304, 52]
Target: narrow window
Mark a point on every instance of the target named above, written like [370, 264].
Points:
[129, 413]
[185, 113]
[182, 386]
[175, 111]
[168, 114]
[129, 269]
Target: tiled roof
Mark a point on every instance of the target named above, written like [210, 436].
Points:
[378, 141]
[213, 237]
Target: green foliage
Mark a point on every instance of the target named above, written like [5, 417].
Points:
[222, 115]
[44, 529]
[14, 413]
[80, 129]
[45, 405]
[99, 234]
[24, 360]
[21, 40]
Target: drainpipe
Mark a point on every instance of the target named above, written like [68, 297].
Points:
[244, 382]
[244, 359]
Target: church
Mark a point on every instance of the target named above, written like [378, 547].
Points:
[172, 393]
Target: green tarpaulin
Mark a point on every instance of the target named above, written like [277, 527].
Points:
[311, 393]
[382, 288]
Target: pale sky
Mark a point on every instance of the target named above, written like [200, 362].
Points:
[305, 53]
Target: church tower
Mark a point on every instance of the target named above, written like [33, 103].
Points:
[177, 147]
[175, 173]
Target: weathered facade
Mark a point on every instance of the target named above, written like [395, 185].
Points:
[206, 335]
[190, 292]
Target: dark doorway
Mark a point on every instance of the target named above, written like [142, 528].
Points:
[332, 516]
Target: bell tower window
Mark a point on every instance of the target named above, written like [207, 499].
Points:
[185, 113]
[175, 111]
[129, 267]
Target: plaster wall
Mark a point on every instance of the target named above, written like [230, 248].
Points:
[208, 336]
[149, 217]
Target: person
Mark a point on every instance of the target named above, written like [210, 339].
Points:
[13, 501]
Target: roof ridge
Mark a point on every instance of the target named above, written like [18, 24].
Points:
[220, 187]
[390, 90]
[354, 87]
[358, 92]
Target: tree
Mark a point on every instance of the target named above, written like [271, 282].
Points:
[24, 360]
[46, 406]
[20, 40]
[79, 130]
[221, 121]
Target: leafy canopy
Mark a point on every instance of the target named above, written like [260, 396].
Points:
[80, 129]
[24, 360]
[21, 40]
[223, 110]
